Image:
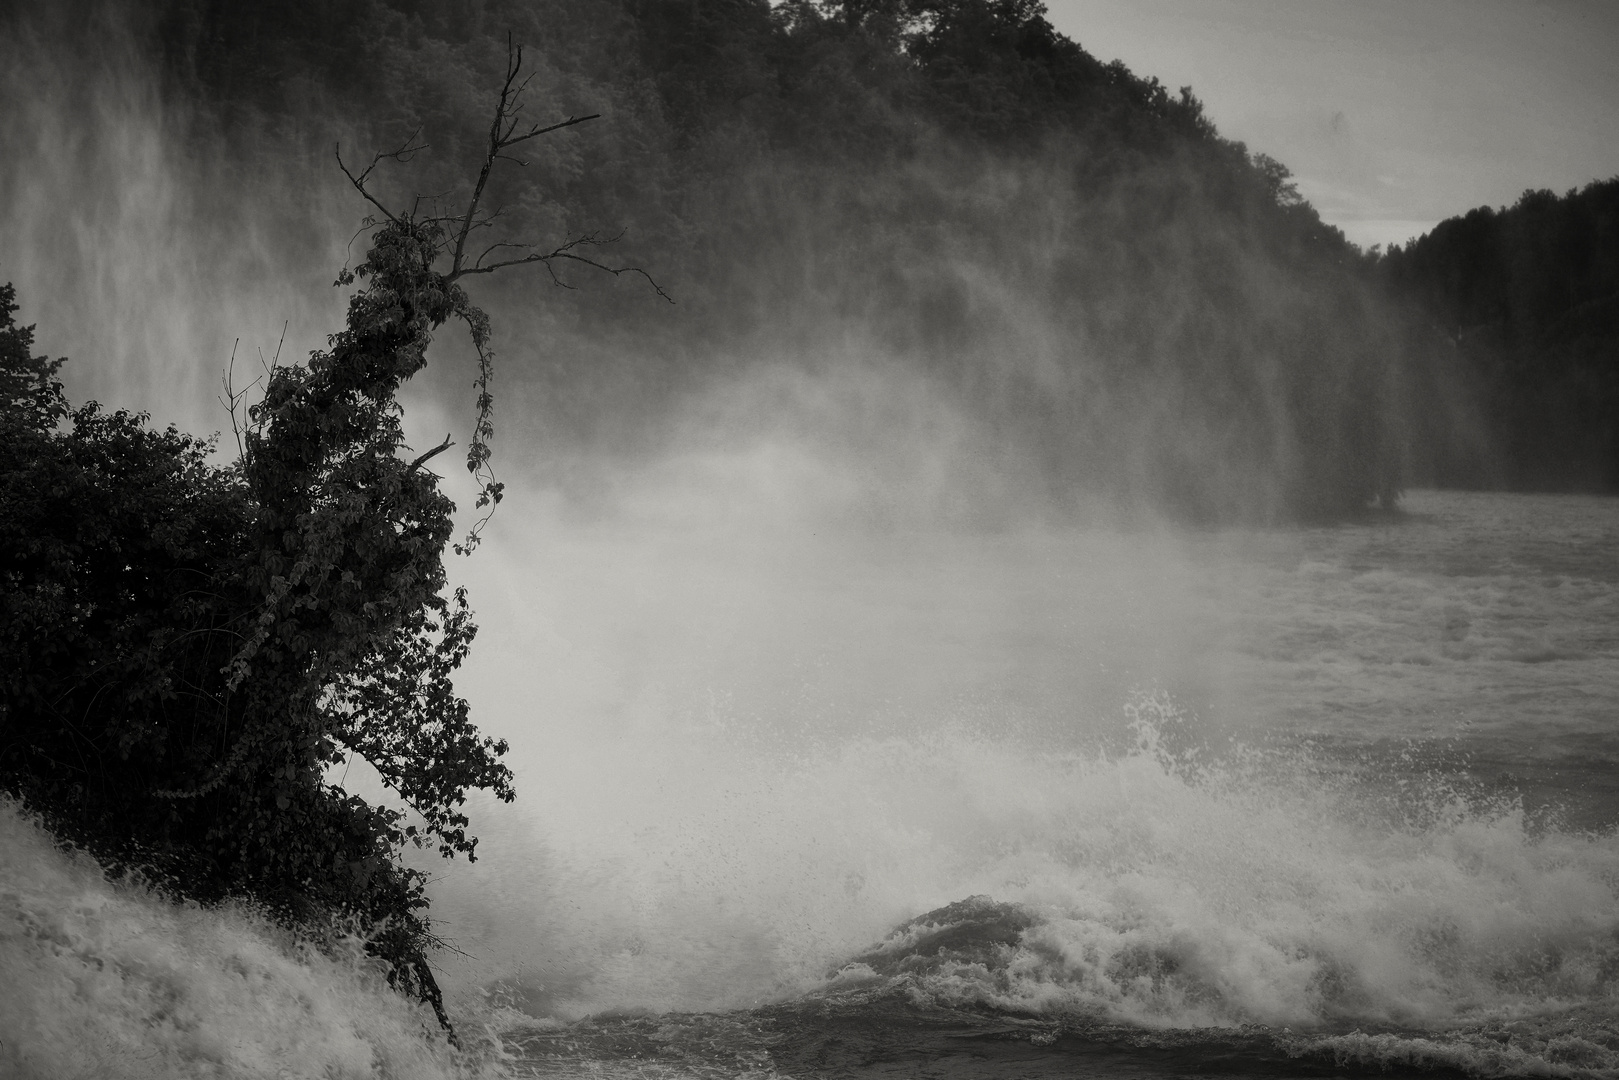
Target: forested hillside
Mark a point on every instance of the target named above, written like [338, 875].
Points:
[1521, 305]
[935, 237]
[945, 196]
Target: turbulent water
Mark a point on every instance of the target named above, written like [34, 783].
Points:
[804, 800]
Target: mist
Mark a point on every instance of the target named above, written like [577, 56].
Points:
[901, 560]
[716, 615]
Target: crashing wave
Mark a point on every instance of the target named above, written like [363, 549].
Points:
[110, 979]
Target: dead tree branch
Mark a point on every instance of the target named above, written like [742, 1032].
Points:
[445, 235]
[407, 150]
[233, 398]
[433, 453]
[565, 251]
[503, 134]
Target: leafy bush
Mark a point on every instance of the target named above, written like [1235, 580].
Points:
[187, 648]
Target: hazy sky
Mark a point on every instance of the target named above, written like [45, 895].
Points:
[1393, 114]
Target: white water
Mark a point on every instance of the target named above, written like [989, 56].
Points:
[103, 980]
[746, 751]
[745, 760]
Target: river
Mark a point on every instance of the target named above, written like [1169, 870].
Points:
[1229, 801]
[803, 799]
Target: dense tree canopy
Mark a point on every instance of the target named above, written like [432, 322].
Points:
[1522, 304]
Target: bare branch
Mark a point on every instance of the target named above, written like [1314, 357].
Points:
[503, 133]
[495, 247]
[617, 270]
[408, 149]
[447, 235]
[437, 450]
[564, 251]
[537, 131]
[232, 397]
[275, 360]
[241, 425]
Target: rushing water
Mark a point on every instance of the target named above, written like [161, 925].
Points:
[819, 802]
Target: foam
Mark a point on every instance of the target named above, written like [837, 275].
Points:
[1211, 900]
[1582, 1048]
[111, 980]
[1170, 891]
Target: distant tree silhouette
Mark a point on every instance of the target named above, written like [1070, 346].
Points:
[1523, 303]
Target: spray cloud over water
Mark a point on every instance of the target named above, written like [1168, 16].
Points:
[785, 617]
[1114, 305]
[142, 248]
[748, 771]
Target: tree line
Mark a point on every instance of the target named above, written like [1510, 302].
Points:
[1518, 307]
[1136, 307]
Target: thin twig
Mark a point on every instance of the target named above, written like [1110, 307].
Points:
[406, 151]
